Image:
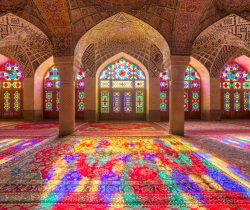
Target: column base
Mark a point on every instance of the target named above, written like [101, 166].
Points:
[215, 115]
[90, 116]
[33, 115]
[154, 116]
[65, 132]
[176, 132]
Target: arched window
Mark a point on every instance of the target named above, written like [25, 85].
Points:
[192, 91]
[164, 94]
[192, 87]
[52, 93]
[235, 86]
[122, 91]
[80, 94]
[11, 89]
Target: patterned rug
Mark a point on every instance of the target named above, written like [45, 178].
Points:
[121, 173]
[230, 148]
[212, 127]
[121, 129]
[8, 123]
[12, 148]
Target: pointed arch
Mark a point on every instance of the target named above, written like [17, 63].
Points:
[132, 60]
[123, 27]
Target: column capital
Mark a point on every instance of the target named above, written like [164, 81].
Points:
[178, 67]
[177, 60]
[65, 61]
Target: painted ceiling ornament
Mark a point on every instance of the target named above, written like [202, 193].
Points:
[234, 5]
[8, 5]
[120, 4]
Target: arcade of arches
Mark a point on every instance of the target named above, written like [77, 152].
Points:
[99, 99]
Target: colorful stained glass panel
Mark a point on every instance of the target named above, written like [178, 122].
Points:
[139, 101]
[163, 101]
[128, 101]
[17, 101]
[80, 97]
[139, 84]
[195, 101]
[116, 101]
[105, 101]
[6, 101]
[48, 101]
[186, 109]
[247, 101]
[105, 84]
[122, 84]
[237, 101]
[227, 102]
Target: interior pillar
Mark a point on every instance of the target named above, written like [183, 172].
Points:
[65, 66]
[215, 102]
[176, 114]
[30, 112]
[154, 99]
[90, 114]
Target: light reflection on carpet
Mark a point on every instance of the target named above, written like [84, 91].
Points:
[241, 142]
[10, 148]
[125, 172]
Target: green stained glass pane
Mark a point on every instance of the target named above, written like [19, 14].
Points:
[6, 101]
[17, 101]
[163, 101]
[195, 101]
[105, 101]
[80, 101]
[227, 102]
[139, 101]
[237, 101]
[48, 101]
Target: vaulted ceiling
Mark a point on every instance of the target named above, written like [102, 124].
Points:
[179, 22]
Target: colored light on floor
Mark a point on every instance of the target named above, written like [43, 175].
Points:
[138, 171]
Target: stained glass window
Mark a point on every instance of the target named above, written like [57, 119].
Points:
[52, 90]
[164, 91]
[116, 102]
[128, 101]
[122, 74]
[122, 81]
[235, 85]
[80, 94]
[192, 90]
[11, 84]
[104, 101]
[139, 101]
[192, 87]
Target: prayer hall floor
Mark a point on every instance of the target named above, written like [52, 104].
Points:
[138, 171]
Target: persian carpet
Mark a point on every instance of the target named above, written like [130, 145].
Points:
[121, 129]
[12, 148]
[230, 148]
[121, 173]
[8, 123]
